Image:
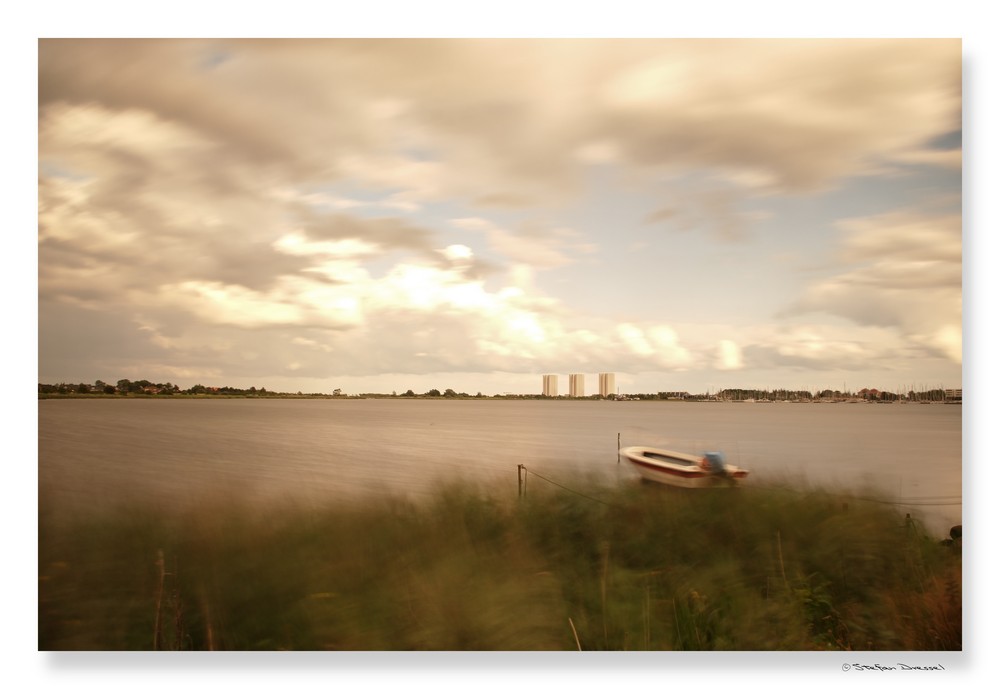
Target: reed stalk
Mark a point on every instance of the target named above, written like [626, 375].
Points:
[159, 600]
[781, 562]
[575, 636]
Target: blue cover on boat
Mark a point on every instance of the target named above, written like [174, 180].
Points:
[715, 462]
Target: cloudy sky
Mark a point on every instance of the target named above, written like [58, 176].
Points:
[383, 215]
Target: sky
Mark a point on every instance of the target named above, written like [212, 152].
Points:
[378, 215]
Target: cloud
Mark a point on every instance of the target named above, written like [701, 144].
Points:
[457, 252]
[655, 345]
[730, 356]
[901, 270]
[292, 302]
[497, 118]
[710, 208]
[142, 199]
[529, 246]
[907, 236]
[297, 244]
[796, 115]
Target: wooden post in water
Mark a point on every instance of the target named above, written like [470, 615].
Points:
[521, 487]
[619, 448]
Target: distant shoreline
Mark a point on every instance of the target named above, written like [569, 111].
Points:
[466, 398]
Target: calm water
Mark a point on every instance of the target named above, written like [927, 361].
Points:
[92, 452]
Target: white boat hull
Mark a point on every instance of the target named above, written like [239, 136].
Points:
[680, 469]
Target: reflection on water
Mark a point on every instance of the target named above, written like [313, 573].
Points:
[92, 452]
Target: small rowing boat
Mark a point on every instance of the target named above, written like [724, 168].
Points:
[681, 469]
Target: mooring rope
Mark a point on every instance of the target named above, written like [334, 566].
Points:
[554, 483]
[921, 502]
[937, 501]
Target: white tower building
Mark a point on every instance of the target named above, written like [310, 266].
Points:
[607, 384]
[550, 385]
[576, 385]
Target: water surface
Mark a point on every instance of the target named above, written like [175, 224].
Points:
[93, 452]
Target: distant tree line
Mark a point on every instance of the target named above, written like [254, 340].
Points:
[126, 387]
[434, 392]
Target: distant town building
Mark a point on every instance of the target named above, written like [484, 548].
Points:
[550, 385]
[606, 384]
[576, 385]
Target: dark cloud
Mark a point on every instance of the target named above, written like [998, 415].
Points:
[511, 114]
[253, 264]
[801, 113]
[387, 233]
[707, 210]
[166, 78]
[107, 342]
[842, 356]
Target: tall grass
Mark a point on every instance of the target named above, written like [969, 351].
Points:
[646, 568]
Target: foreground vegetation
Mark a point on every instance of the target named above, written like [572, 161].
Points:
[636, 568]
